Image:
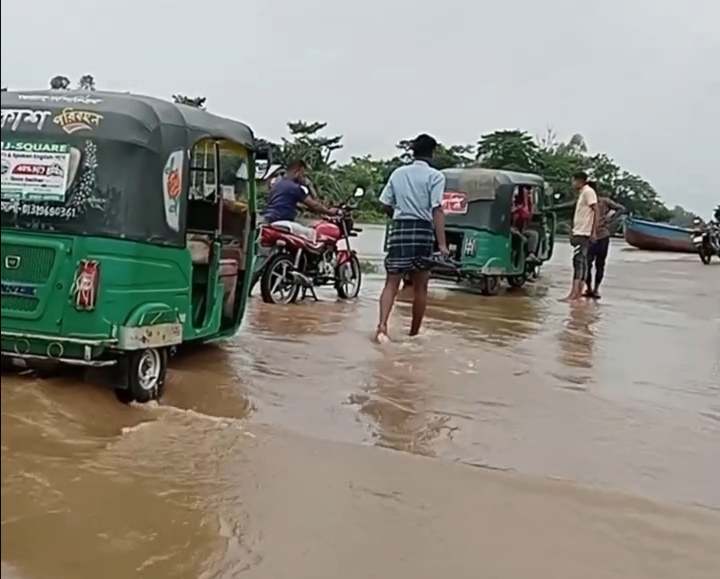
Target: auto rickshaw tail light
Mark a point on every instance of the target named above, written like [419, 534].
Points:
[85, 287]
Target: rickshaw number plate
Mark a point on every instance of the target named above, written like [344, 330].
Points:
[149, 336]
[455, 203]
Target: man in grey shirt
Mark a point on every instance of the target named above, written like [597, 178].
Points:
[413, 197]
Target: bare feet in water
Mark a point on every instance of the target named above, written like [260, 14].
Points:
[381, 336]
[570, 298]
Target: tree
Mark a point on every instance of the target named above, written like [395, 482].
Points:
[196, 102]
[509, 150]
[445, 157]
[307, 144]
[548, 156]
[60, 83]
[86, 82]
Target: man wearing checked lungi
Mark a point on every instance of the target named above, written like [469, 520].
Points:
[413, 197]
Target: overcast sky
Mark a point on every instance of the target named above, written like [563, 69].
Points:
[640, 79]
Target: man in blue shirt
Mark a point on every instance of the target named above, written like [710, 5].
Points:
[413, 197]
[287, 193]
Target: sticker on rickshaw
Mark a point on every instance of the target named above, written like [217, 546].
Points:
[71, 120]
[74, 99]
[34, 176]
[13, 119]
[172, 187]
[454, 203]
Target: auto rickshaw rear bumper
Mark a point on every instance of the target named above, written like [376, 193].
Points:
[66, 350]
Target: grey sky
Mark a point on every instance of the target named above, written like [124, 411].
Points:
[640, 79]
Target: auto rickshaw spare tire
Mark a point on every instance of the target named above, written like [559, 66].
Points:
[146, 372]
[490, 285]
[517, 281]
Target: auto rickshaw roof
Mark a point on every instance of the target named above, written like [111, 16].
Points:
[483, 184]
[137, 117]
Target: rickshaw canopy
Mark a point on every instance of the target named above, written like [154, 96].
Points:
[103, 163]
[486, 184]
[486, 197]
[117, 116]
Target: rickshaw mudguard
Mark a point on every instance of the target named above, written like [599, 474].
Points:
[151, 325]
[494, 266]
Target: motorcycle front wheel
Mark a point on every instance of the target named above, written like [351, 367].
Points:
[278, 285]
[348, 278]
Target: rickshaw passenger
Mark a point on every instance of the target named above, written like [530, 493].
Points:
[521, 218]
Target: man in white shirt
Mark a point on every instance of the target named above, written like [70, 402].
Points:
[413, 198]
[584, 230]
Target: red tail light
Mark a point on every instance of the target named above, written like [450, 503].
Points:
[86, 284]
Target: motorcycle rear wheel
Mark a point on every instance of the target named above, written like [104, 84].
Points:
[277, 284]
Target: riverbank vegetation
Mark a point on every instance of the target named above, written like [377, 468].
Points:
[513, 150]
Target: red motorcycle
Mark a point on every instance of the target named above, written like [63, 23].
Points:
[295, 259]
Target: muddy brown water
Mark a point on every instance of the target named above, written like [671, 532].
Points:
[268, 455]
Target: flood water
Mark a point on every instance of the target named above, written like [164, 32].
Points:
[266, 457]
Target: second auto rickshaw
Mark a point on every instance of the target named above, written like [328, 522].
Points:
[499, 224]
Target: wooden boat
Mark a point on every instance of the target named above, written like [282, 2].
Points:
[658, 236]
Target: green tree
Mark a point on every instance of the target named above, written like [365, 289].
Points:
[308, 144]
[510, 150]
[445, 156]
[682, 217]
[273, 151]
[560, 160]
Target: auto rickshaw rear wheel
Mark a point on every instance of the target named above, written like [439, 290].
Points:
[517, 281]
[490, 285]
[146, 371]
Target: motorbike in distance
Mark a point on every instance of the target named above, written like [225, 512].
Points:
[295, 259]
[706, 239]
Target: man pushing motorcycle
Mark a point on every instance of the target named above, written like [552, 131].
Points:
[289, 192]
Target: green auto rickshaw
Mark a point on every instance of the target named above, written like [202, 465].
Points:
[127, 230]
[487, 238]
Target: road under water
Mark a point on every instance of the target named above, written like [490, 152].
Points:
[517, 435]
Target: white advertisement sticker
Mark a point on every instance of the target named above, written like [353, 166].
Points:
[32, 173]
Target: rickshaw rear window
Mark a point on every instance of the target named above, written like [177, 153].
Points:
[85, 186]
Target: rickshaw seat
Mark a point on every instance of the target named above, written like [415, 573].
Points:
[295, 228]
[200, 247]
[234, 253]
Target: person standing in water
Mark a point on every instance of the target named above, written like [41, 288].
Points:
[413, 197]
[584, 230]
[608, 210]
